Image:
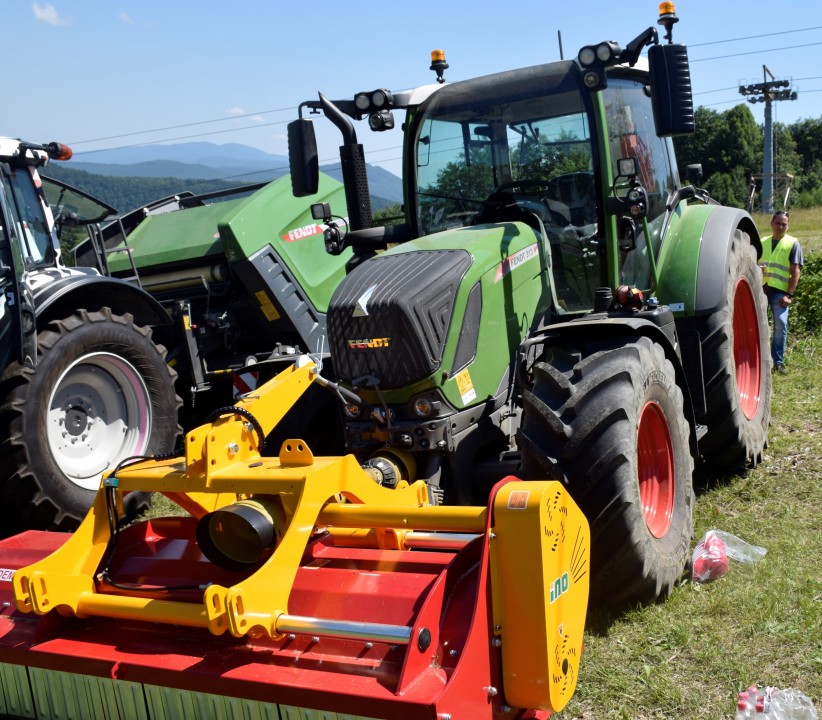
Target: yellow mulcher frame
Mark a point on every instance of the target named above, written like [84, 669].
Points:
[538, 540]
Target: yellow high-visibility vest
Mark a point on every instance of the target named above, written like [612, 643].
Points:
[777, 262]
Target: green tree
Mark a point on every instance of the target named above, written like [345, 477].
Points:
[390, 214]
[807, 186]
[740, 140]
[807, 134]
[701, 146]
[728, 145]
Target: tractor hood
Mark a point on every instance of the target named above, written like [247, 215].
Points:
[433, 309]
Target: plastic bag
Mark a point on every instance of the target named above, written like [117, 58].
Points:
[711, 554]
[791, 704]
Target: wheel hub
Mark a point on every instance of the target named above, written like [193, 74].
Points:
[99, 414]
[746, 349]
[77, 420]
[655, 461]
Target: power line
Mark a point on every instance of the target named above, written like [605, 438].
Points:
[180, 137]
[723, 102]
[184, 125]
[707, 92]
[756, 52]
[267, 112]
[754, 37]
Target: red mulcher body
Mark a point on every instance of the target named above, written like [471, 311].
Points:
[289, 592]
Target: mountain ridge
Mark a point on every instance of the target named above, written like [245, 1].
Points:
[230, 162]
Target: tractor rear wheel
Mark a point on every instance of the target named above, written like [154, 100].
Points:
[101, 392]
[736, 366]
[610, 424]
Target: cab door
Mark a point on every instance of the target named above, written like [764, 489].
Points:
[18, 336]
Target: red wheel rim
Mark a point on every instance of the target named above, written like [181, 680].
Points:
[746, 349]
[655, 459]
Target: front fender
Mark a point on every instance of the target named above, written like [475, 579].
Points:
[91, 292]
[599, 326]
[694, 261]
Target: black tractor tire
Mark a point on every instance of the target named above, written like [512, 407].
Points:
[609, 423]
[736, 366]
[101, 392]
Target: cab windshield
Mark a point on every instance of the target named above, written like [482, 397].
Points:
[515, 147]
[28, 222]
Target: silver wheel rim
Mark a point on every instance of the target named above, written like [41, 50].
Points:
[98, 414]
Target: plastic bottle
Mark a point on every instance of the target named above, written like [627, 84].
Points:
[750, 704]
[742, 707]
[739, 550]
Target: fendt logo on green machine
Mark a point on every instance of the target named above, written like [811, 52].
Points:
[369, 343]
[511, 263]
[303, 232]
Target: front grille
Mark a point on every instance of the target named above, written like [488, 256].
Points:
[388, 319]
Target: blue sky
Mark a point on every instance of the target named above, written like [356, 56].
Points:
[99, 74]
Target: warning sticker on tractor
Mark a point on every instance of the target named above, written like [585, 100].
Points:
[465, 387]
[6, 575]
[518, 499]
[267, 306]
[244, 382]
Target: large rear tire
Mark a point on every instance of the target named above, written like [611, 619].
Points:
[609, 422]
[736, 366]
[101, 392]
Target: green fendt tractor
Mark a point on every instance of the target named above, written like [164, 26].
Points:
[556, 303]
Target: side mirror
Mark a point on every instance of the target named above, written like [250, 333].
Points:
[695, 173]
[671, 95]
[627, 234]
[303, 160]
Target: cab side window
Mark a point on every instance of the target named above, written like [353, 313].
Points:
[631, 133]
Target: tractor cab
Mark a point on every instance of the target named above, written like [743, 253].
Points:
[516, 147]
[579, 151]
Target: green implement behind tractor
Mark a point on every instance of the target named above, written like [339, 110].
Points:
[244, 277]
[556, 302]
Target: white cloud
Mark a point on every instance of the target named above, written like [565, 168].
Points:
[49, 15]
[125, 18]
[238, 112]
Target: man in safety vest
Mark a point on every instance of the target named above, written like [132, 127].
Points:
[782, 261]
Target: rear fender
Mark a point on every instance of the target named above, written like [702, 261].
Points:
[715, 249]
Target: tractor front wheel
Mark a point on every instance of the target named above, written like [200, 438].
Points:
[609, 422]
[101, 392]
